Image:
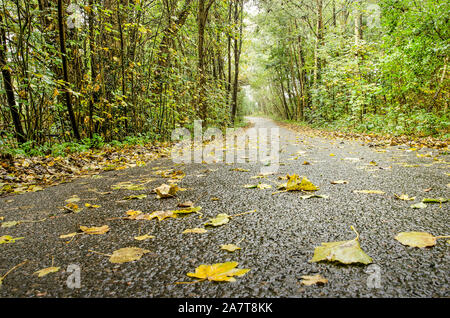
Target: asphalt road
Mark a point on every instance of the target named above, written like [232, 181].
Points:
[277, 241]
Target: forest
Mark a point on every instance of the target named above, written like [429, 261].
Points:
[332, 180]
[77, 74]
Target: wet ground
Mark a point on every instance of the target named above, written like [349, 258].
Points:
[276, 242]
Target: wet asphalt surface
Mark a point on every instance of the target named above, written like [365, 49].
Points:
[278, 240]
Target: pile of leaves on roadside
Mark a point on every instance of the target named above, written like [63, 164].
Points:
[21, 174]
[374, 140]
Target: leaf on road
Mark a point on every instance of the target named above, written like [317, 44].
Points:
[72, 207]
[10, 223]
[404, 197]
[187, 204]
[161, 215]
[320, 196]
[166, 190]
[45, 271]
[240, 170]
[6, 239]
[195, 230]
[419, 205]
[219, 220]
[346, 252]
[127, 254]
[369, 191]
[294, 183]
[92, 206]
[418, 239]
[95, 230]
[135, 197]
[313, 280]
[339, 182]
[229, 247]
[128, 186]
[64, 236]
[220, 272]
[189, 210]
[73, 199]
[432, 200]
[143, 237]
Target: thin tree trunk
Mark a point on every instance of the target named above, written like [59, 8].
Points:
[9, 89]
[62, 44]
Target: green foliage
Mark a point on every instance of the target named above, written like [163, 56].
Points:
[394, 80]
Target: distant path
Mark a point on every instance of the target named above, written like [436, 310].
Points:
[278, 240]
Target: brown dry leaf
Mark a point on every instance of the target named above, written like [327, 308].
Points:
[187, 204]
[313, 280]
[339, 182]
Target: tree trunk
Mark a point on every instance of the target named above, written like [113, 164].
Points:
[8, 84]
[62, 44]
[237, 53]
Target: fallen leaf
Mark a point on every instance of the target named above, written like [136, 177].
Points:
[432, 200]
[92, 206]
[369, 191]
[304, 197]
[94, 230]
[68, 235]
[420, 205]
[143, 237]
[195, 230]
[128, 186]
[6, 239]
[135, 197]
[294, 183]
[187, 204]
[161, 215]
[230, 247]
[346, 252]
[166, 191]
[313, 280]
[240, 170]
[404, 197]
[417, 239]
[220, 272]
[72, 207]
[339, 182]
[219, 220]
[10, 223]
[189, 210]
[73, 199]
[46, 271]
[127, 254]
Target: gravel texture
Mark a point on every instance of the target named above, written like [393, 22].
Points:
[278, 240]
